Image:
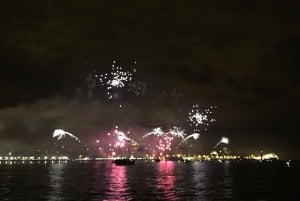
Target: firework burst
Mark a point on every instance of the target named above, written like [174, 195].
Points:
[156, 131]
[199, 118]
[116, 79]
[60, 133]
[159, 141]
[224, 140]
[177, 132]
[164, 144]
[118, 140]
[194, 135]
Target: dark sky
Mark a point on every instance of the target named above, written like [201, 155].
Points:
[242, 56]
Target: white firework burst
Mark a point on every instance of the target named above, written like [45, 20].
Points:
[177, 132]
[60, 133]
[199, 118]
[117, 78]
[156, 131]
[194, 135]
[224, 140]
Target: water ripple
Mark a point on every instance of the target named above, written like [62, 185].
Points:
[97, 181]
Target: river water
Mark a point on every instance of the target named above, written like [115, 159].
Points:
[103, 180]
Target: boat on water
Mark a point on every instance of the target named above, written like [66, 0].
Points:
[157, 160]
[124, 161]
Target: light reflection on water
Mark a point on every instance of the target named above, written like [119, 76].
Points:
[56, 174]
[199, 179]
[118, 188]
[96, 181]
[166, 180]
[227, 186]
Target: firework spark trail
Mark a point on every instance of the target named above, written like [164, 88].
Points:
[117, 78]
[223, 140]
[60, 133]
[198, 118]
[177, 132]
[194, 135]
[156, 131]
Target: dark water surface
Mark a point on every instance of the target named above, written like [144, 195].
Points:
[104, 180]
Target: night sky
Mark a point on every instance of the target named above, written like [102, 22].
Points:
[241, 56]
